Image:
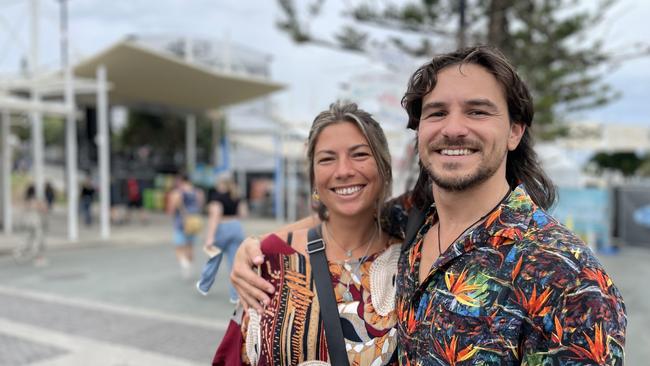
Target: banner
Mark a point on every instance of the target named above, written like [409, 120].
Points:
[633, 205]
[588, 213]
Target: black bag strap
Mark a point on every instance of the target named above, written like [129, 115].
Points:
[413, 225]
[328, 308]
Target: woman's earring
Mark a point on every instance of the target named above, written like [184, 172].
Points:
[315, 196]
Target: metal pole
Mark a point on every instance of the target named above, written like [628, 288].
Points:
[190, 143]
[72, 184]
[37, 147]
[6, 173]
[103, 145]
[33, 61]
[461, 36]
[241, 179]
[35, 115]
[292, 189]
[279, 179]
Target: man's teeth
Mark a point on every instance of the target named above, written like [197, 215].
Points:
[455, 152]
[347, 190]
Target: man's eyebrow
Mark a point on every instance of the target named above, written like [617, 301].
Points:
[481, 103]
[434, 105]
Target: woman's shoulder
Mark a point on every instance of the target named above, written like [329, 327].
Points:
[284, 242]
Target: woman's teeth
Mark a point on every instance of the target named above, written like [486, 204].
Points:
[347, 190]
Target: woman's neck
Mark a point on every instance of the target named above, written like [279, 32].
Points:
[352, 233]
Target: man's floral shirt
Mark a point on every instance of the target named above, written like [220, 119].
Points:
[519, 288]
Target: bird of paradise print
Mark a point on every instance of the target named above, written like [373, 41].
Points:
[597, 349]
[558, 332]
[598, 276]
[448, 351]
[515, 271]
[410, 321]
[460, 287]
[535, 304]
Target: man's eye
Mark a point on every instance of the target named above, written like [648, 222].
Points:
[436, 115]
[478, 112]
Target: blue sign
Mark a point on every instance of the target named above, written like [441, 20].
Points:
[642, 216]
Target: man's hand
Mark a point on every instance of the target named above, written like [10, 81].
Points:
[249, 284]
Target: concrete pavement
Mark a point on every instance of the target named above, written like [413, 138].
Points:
[110, 303]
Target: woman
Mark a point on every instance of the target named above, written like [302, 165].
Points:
[350, 173]
[225, 231]
[185, 203]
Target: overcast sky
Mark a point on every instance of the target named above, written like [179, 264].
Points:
[313, 75]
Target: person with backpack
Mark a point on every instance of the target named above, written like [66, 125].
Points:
[185, 203]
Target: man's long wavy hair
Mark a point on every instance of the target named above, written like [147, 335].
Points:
[522, 165]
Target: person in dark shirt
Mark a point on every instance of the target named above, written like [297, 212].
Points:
[87, 196]
[50, 195]
[225, 231]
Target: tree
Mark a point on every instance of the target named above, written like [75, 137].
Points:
[164, 134]
[625, 162]
[550, 41]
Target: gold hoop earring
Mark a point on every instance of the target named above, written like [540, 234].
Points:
[315, 196]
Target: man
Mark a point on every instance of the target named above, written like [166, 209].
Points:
[490, 277]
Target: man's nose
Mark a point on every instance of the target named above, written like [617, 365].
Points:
[455, 125]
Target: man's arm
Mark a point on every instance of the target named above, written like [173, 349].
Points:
[252, 289]
[586, 326]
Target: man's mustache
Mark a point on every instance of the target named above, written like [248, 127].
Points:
[460, 143]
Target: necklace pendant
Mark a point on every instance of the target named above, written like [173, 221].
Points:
[349, 253]
[347, 296]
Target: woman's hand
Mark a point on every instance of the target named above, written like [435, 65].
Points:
[249, 284]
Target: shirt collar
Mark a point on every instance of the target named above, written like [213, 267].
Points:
[512, 218]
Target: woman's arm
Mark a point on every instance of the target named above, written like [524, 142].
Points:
[215, 213]
[173, 202]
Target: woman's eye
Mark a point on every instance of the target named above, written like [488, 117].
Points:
[324, 160]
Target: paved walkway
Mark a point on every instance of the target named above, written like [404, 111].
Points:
[157, 229]
[110, 303]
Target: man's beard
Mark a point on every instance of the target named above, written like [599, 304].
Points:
[457, 184]
[486, 169]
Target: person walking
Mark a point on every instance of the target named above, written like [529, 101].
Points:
[224, 230]
[185, 203]
[35, 221]
[87, 195]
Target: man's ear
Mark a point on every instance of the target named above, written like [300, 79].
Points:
[517, 130]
